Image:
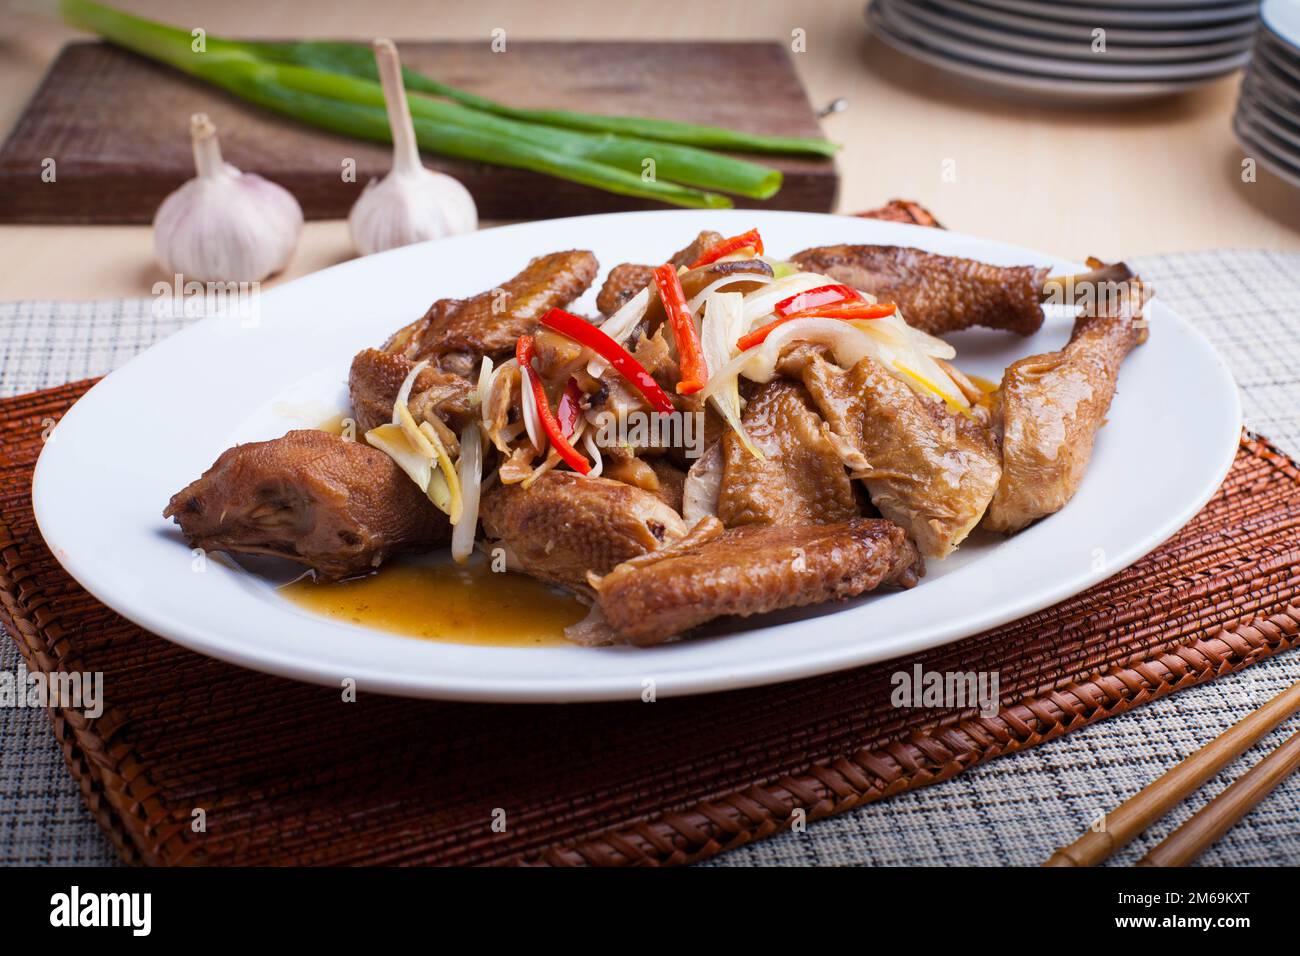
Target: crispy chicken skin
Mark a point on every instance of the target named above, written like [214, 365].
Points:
[751, 570]
[929, 469]
[376, 377]
[339, 507]
[623, 282]
[801, 478]
[564, 525]
[1050, 407]
[455, 334]
[629, 278]
[937, 294]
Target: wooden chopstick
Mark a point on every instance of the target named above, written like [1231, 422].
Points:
[1215, 818]
[1148, 805]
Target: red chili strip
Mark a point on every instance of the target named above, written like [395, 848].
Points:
[570, 407]
[619, 358]
[847, 313]
[746, 240]
[690, 354]
[524, 352]
[814, 298]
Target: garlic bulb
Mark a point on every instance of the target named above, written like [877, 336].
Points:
[411, 203]
[224, 225]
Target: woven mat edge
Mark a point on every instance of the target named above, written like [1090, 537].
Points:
[71, 730]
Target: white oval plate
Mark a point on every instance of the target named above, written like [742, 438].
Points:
[154, 425]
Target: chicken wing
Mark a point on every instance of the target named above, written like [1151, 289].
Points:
[937, 294]
[1050, 407]
[750, 570]
[455, 334]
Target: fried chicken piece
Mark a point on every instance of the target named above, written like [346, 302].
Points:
[342, 508]
[628, 278]
[937, 294]
[564, 525]
[455, 334]
[376, 376]
[1050, 407]
[800, 480]
[750, 570]
[931, 470]
[623, 282]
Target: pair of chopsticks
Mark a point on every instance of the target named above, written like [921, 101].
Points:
[1187, 842]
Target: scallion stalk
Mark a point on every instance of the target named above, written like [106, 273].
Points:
[255, 82]
[355, 58]
[286, 77]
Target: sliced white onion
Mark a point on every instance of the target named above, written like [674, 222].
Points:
[597, 459]
[419, 451]
[931, 345]
[484, 385]
[620, 325]
[404, 393]
[723, 318]
[698, 299]
[553, 459]
[447, 470]
[850, 346]
[392, 441]
[703, 486]
[532, 420]
[894, 330]
[759, 303]
[470, 470]
[488, 395]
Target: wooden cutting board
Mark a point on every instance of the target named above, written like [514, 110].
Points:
[116, 127]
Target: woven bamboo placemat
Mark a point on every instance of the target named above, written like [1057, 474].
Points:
[285, 772]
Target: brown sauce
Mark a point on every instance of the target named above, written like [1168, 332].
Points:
[447, 602]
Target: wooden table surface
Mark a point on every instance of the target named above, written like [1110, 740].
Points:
[1113, 183]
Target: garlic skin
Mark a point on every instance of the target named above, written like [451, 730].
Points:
[404, 207]
[412, 203]
[224, 225]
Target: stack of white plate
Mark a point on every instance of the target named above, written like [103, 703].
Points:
[1268, 113]
[1094, 51]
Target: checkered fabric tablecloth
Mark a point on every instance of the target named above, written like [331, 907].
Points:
[1014, 810]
